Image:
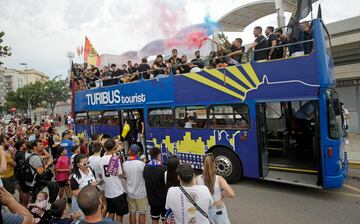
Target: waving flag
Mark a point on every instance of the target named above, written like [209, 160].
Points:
[90, 54]
[302, 9]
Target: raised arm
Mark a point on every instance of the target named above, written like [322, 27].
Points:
[14, 207]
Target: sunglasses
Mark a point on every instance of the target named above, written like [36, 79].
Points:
[84, 164]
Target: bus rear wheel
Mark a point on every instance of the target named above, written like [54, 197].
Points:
[227, 164]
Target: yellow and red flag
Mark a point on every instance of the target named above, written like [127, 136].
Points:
[90, 54]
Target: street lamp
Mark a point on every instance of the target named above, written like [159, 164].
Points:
[26, 68]
[29, 106]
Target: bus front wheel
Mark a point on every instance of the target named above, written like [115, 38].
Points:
[227, 164]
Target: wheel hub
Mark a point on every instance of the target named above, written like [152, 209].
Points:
[223, 165]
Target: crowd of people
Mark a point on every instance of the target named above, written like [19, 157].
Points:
[274, 45]
[51, 177]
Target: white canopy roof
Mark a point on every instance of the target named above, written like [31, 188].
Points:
[237, 19]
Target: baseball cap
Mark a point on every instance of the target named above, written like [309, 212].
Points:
[134, 149]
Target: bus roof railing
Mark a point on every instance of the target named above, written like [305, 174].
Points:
[204, 60]
[284, 45]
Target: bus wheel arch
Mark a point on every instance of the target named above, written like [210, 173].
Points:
[228, 163]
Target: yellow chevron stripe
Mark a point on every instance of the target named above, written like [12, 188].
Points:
[228, 80]
[250, 71]
[212, 84]
[237, 73]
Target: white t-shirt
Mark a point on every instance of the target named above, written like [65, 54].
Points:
[133, 170]
[94, 163]
[112, 184]
[184, 211]
[79, 183]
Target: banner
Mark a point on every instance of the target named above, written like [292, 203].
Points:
[90, 54]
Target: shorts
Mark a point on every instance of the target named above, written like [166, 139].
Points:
[117, 205]
[219, 215]
[9, 184]
[157, 211]
[137, 205]
[63, 183]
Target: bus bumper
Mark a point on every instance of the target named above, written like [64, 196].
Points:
[338, 180]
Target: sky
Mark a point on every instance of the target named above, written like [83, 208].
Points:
[41, 32]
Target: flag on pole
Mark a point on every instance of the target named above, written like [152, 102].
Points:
[302, 9]
[90, 54]
[82, 50]
[319, 14]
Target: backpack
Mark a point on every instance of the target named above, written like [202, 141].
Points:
[25, 170]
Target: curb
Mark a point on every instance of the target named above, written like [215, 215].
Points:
[354, 164]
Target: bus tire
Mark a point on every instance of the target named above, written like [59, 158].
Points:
[227, 165]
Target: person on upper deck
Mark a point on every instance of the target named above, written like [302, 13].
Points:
[258, 44]
[184, 67]
[105, 73]
[237, 50]
[281, 39]
[131, 69]
[308, 46]
[123, 70]
[174, 60]
[271, 42]
[144, 69]
[159, 66]
[115, 72]
[198, 61]
[296, 36]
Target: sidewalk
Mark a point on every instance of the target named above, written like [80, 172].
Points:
[353, 150]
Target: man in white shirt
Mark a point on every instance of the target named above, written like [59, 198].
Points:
[94, 163]
[137, 200]
[185, 211]
[111, 173]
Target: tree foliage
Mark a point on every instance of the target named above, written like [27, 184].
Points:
[5, 51]
[50, 92]
[56, 91]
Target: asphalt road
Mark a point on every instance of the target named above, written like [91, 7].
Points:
[263, 202]
[267, 202]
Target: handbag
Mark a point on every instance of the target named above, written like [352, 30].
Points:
[195, 204]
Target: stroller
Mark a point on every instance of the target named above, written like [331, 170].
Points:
[53, 191]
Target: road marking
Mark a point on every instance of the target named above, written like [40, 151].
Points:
[293, 169]
[352, 187]
[344, 193]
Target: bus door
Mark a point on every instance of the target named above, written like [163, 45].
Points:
[262, 140]
[289, 141]
[131, 121]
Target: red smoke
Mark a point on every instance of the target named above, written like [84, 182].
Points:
[194, 39]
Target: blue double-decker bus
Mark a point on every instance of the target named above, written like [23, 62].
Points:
[277, 120]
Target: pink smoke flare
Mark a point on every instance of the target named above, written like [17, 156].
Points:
[194, 39]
